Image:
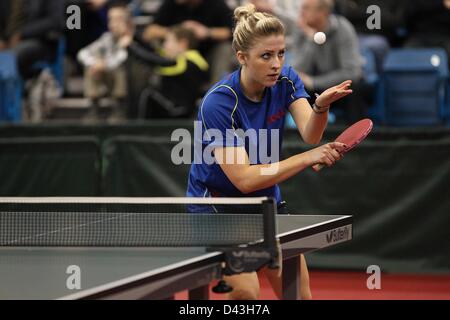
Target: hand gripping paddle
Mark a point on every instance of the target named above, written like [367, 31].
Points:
[352, 136]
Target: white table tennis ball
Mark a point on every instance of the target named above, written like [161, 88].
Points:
[320, 38]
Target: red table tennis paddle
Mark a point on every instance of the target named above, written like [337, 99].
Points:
[352, 136]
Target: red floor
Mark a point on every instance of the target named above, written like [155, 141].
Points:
[327, 285]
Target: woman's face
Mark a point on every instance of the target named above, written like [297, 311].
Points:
[118, 22]
[263, 62]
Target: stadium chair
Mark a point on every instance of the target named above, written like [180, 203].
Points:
[413, 85]
[376, 110]
[10, 88]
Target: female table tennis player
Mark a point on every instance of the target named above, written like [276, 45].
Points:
[257, 96]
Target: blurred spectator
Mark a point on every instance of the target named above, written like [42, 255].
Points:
[287, 10]
[94, 22]
[31, 29]
[264, 5]
[428, 23]
[104, 59]
[338, 59]
[380, 40]
[211, 21]
[179, 78]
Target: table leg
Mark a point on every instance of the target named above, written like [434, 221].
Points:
[291, 278]
[200, 293]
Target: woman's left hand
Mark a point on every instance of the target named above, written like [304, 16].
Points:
[334, 93]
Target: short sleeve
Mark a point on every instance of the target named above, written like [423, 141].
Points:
[219, 117]
[295, 88]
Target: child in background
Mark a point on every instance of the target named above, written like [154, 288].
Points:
[104, 59]
[179, 75]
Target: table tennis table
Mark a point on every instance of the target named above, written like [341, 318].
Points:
[152, 272]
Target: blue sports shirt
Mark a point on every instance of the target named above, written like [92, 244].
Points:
[227, 118]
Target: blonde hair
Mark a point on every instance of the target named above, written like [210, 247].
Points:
[251, 25]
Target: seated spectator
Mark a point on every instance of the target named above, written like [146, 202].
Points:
[338, 59]
[428, 24]
[31, 29]
[379, 40]
[211, 21]
[178, 78]
[94, 17]
[103, 60]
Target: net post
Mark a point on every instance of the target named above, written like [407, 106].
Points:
[269, 210]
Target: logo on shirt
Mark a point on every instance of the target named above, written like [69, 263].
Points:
[277, 116]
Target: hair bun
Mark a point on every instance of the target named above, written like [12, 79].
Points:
[243, 12]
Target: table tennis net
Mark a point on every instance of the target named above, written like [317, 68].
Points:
[162, 222]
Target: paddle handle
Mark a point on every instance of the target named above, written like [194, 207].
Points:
[318, 167]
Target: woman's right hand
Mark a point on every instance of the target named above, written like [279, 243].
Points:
[326, 154]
